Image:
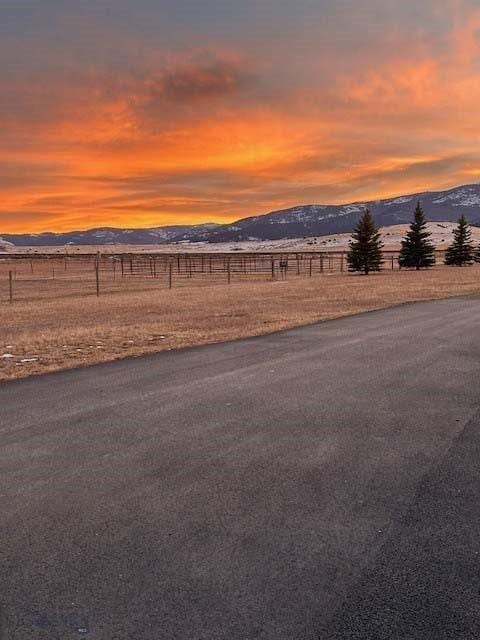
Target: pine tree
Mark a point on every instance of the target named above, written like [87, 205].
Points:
[460, 252]
[417, 251]
[365, 252]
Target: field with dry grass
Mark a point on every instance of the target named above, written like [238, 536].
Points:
[41, 333]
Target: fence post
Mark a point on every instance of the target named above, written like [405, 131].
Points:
[97, 273]
[10, 286]
[310, 267]
[170, 274]
[273, 267]
[341, 263]
[229, 275]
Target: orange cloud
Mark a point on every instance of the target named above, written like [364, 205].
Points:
[219, 137]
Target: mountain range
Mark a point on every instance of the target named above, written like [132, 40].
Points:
[299, 221]
[111, 235]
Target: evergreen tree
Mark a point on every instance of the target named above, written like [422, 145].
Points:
[460, 252]
[365, 252]
[417, 251]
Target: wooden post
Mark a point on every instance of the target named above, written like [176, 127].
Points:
[229, 275]
[392, 263]
[97, 274]
[114, 269]
[10, 286]
[321, 264]
[170, 274]
[121, 266]
[298, 265]
[31, 266]
[341, 262]
[310, 267]
[273, 267]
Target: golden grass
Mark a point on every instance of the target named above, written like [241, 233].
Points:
[142, 317]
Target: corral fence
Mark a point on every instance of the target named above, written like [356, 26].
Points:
[43, 275]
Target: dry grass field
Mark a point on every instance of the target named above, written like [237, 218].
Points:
[41, 332]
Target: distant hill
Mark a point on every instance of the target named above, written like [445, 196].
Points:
[109, 235]
[5, 246]
[296, 222]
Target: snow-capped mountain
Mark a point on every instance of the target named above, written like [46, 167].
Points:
[296, 222]
[316, 220]
[109, 235]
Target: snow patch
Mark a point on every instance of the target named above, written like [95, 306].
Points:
[401, 200]
[466, 197]
[351, 208]
[470, 201]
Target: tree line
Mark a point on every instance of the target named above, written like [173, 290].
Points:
[417, 250]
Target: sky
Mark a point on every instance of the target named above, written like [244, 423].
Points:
[134, 113]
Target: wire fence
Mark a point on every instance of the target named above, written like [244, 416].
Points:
[45, 276]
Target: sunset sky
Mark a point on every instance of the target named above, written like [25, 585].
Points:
[150, 112]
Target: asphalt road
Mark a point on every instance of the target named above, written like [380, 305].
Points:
[318, 483]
